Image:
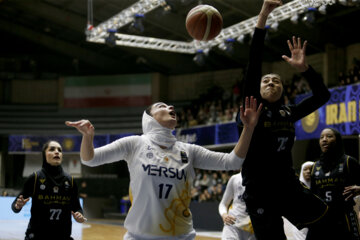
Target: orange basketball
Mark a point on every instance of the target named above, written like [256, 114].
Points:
[203, 22]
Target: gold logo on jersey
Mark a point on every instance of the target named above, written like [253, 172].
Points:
[178, 209]
[166, 159]
[311, 122]
[42, 180]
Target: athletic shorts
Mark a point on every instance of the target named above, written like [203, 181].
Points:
[295, 202]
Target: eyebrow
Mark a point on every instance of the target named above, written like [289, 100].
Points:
[159, 104]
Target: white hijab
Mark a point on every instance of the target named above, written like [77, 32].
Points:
[302, 179]
[158, 134]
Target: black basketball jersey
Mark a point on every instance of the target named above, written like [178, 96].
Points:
[330, 185]
[52, 203]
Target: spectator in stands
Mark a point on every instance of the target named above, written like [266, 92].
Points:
[4, 193]
[161, 169]
[341, 79]
[356, 79]
[54, 198]
[201, 116]
[205, 181]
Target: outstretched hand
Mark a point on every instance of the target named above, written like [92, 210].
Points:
[250, 115]
[83, 126]
[297, 59]
[20, 202]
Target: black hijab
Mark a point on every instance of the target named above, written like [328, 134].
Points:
[332, 157]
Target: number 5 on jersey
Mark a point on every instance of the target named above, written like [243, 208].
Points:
[164, 190]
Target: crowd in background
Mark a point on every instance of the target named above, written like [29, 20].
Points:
[210, 185]
[219, 105]
[351, 76]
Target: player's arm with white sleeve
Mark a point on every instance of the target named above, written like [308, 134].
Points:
[225, 202]
[109, 153]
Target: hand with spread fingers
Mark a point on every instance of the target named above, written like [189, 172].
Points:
[297, 59]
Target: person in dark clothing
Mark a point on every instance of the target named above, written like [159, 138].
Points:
[54, 198]
[335, 178]
[272, 189]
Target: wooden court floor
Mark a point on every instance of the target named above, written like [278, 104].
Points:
[92, 230]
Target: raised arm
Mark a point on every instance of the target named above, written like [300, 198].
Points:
[249, 117]
[87, 130]
[320, 93]
[253, 71]
[267, 7]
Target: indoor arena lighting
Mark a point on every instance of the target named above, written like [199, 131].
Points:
[100, 32]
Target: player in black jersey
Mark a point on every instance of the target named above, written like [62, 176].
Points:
[336, 179]
[272, 188]
[54, 198]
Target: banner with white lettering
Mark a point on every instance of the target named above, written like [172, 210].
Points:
[340, 112]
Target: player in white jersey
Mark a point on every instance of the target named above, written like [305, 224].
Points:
[162, 170]
[237, 223]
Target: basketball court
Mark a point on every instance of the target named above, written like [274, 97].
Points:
[96, 229]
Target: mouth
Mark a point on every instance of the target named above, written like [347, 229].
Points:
[325, 146]
[173, 114]
[57, 158]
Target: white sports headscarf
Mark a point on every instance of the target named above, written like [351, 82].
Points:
[302, 179]
[158, 134]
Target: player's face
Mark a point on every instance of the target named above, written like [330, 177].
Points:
[327, 140]
[164, 114]
[307, 172]
[53, 154]
[271, 87]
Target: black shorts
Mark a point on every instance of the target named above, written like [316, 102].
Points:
[293, 201]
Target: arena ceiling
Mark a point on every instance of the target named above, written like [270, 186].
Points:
[48, 36]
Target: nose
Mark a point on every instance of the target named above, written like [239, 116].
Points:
[271, 83]
[171, 107]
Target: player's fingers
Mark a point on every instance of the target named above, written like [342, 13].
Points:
[259, 108]
[255, 104]
[299, 42]
[290, 45]
[246, 102]
[286, 58]
[304, 46]
[241, 112]
[26, 200]
[72, 124]
[294, 42]
[251, 105]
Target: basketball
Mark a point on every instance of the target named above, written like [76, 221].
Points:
[203, 22]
